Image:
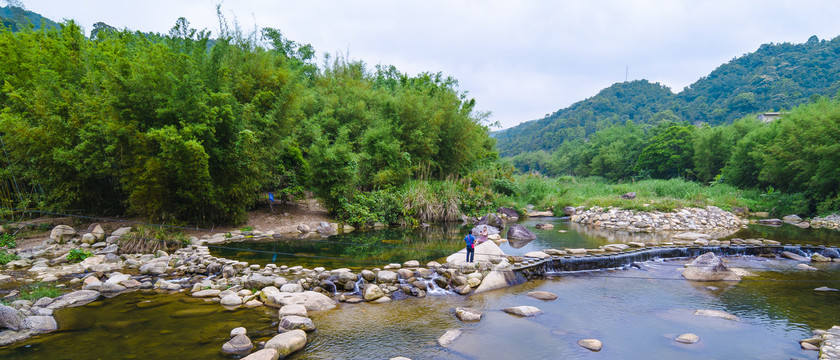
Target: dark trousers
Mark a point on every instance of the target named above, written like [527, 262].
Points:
[470, 254]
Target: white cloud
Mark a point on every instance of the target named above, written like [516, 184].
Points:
[519, 59]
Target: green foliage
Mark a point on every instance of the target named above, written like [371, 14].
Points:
[77, 255]
[247, 228]
[37, 290]
[7, 241]
[149, 239]
[669, 152]
[7, 257]
[184, 128]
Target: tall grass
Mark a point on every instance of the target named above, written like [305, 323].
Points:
[431, 200]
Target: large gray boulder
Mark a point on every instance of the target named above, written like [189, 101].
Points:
[73, 299]
[10, 318]
[258, 281]
[40, 323]
[373, 292]
[792, 219]
[708, 267]
[311, 300]
[486, 251]
[498, 279]
[508, 212]
[519, 232]
[794, 256]
[492, 220]
[386, 277]
[62, 233]
[287, 342]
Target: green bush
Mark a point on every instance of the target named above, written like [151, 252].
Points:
[6, 257]
[7, 241]
[77, 255]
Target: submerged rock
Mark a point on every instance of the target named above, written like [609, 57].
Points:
[717, 314]
[591, 344]
[543, 295]
[688, 338]
[447, 338]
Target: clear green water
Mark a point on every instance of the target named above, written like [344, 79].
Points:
[636, 313]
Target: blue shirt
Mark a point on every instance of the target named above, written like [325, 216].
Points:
[469, 239]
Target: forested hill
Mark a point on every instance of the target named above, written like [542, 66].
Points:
[775, 77]
[15, 18]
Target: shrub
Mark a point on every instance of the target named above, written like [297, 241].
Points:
[7, 241]
[77, 255]
[6, 257]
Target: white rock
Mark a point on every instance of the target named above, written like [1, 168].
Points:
[448, 337]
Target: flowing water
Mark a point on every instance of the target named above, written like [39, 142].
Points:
[636, 313]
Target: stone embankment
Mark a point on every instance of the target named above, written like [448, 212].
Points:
[707, 219]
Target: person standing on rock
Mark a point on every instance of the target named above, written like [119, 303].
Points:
[470, 240]
[482, 237]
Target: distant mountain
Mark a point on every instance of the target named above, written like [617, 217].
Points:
[16, 19]
[775, 77]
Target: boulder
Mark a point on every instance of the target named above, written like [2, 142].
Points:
[293, 309]
[819, 258]
[10, 318]
[688, 338]
[536, 254]
[770, 222]
[520, 232]
[544, 226]
[569, 210]
[631, 195]
[806, 267]
[448, 337]
[386, 277]
[523, 310]
[206, 293]
[543, 295]
[40, 323]
[708, 267]
[239, 345]
[259, 281]
[231, 300]
[97, 231]
[287, 342]
[76, 298]
[508, 212]
[312, 301]
[373, 292]
[717, 314]
[468, 314]
[486, 251]
[62, 233]
[291, 288]
[121, 231]
[792, 219]
[498, 279]
[264, 354]
[794, 256]
[294, 322]
[591, 344]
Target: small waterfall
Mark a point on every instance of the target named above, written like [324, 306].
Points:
[432, 288]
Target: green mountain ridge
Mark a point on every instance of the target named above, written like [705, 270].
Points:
[773, 78]
[15, 18]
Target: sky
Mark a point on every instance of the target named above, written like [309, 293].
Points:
[521, 59]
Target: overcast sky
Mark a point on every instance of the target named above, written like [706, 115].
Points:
[518, 59]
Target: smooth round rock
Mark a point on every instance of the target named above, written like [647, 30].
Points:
[688, 338]
[523, 310]
[591, 344]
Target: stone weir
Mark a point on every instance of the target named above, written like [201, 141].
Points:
[533, 267]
